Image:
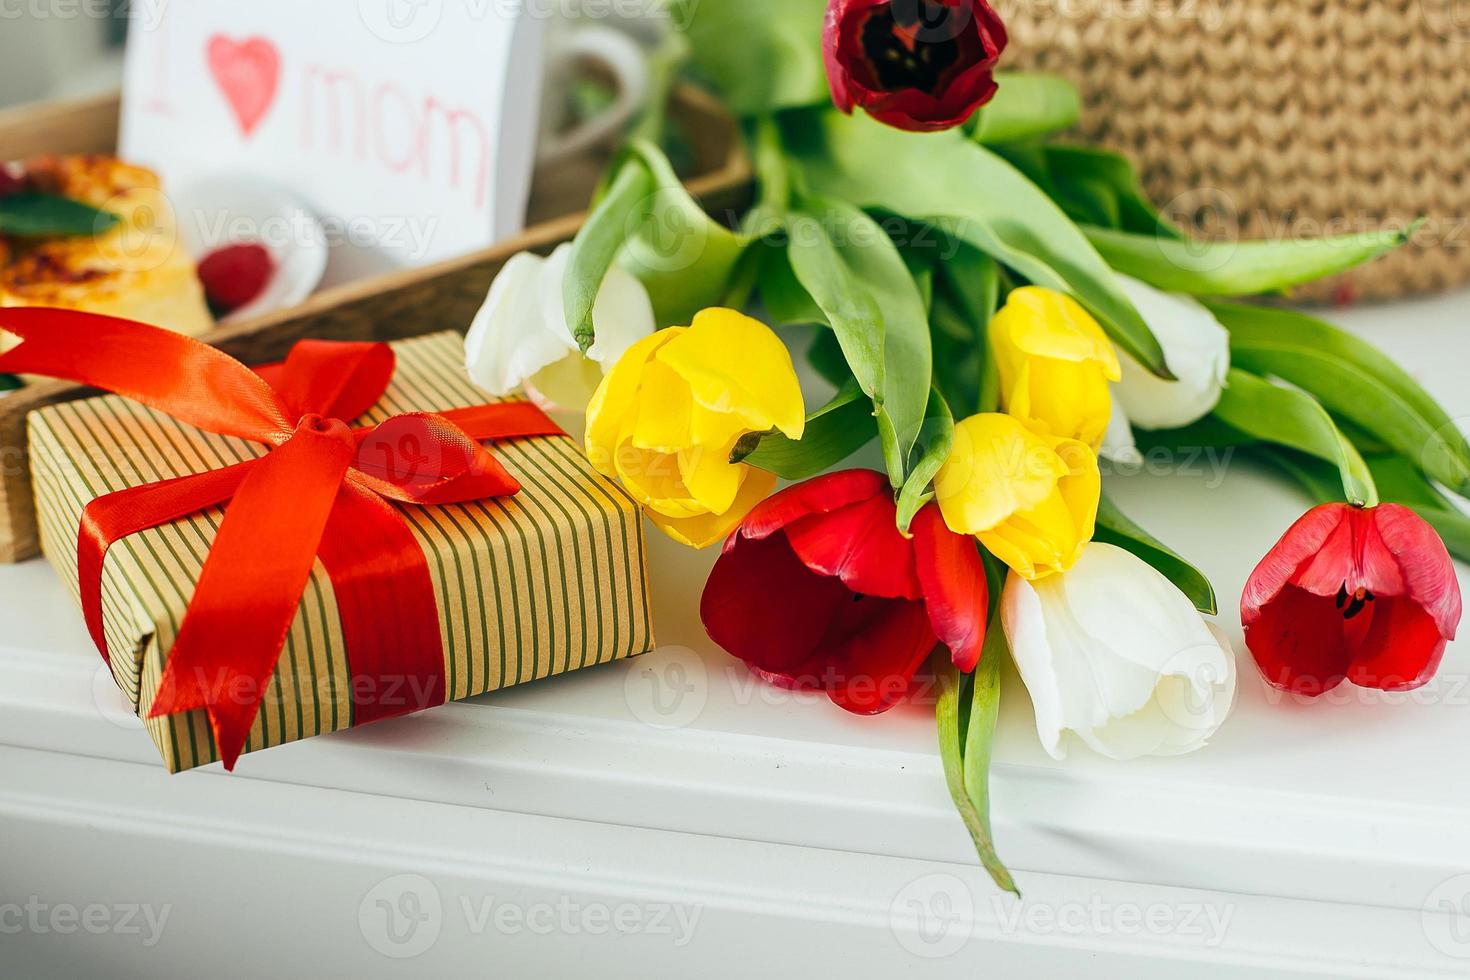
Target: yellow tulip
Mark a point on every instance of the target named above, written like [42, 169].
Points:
[1055, 363]
[1031, 498]
[666, 418]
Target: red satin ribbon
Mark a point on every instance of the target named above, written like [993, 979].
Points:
[323, 490]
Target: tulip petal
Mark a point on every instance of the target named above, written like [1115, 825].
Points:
[836, 74]
[703, 530]
[564, 385]
[613, 406]
[1044, 323]
[1026, 635]
[1301, 541]
[710, 428]
[1118, 444]
[710, 476]
[859, 544]
[1112, 652]
[763, 605]
[802, 630]
[1031, 499]
[996, 468]
[512, 337]
[1197, 349]
[1296, 640]
[737, 365]
[1401, 647]
[1154, 625]
[798, 627]
[662, 421]
[1184, 702]
[956, 595]
[1428, 571]
[819, 495]
[871, 651]
[1027, 546]
[1072, 400]
[1353, 554]
[1054, 363]
[654, 480]
[1081, 488]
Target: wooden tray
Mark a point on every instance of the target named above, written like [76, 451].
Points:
[399, 304]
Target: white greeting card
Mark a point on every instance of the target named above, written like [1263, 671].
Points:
[407, 126]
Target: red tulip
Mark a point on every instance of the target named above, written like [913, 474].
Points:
[817, 589]
[1367, 595]
[920, 65]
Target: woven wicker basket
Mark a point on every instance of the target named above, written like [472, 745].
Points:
[1281, 117]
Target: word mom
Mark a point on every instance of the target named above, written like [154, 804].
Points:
[343, 114]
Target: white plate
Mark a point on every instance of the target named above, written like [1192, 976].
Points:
[228, 210]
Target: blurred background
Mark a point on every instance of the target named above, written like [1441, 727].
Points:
[1246, 119]
[75, 49]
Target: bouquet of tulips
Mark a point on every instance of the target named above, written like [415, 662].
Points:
[997, 310]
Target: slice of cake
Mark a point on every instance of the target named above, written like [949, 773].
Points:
[138, 269]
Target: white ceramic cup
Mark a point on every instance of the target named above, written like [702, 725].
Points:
[571, 46]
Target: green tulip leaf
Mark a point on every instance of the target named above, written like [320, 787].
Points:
[760, 55]
[959, 363]
[624, 205]
[833, 432]
[966, 713]
[948, 181]
[826, 358]
[1353, 380]
[1288, 417]
[1114, 527]
[1027, 105]
[1236, 268]
[683, 257]
[932, 450]
[973, 279]
[784, 299]
[1088, 201]
[967, 295]
[854, 273]
[1090, 174]
[1030, 159]
[35, 215]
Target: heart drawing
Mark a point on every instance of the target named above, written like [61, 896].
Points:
[248, 72]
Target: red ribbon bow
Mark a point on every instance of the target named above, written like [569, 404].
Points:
[324, 490]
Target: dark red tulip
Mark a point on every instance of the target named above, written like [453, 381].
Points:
[818, 590]
[920, 65]
[1363, 594]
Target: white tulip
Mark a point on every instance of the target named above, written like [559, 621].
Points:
[1118, 444]
[520, 339]
[1112, 652]
[1196, 348]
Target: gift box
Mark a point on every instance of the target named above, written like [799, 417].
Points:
[525, 584]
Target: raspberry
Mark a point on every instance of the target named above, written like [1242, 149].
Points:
[12, 181]
[235, 275]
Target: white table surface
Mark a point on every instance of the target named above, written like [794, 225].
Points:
[1308, 839]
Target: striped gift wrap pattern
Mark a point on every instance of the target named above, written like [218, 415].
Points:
[547, 581]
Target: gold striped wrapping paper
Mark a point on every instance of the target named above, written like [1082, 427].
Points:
[549, 580]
